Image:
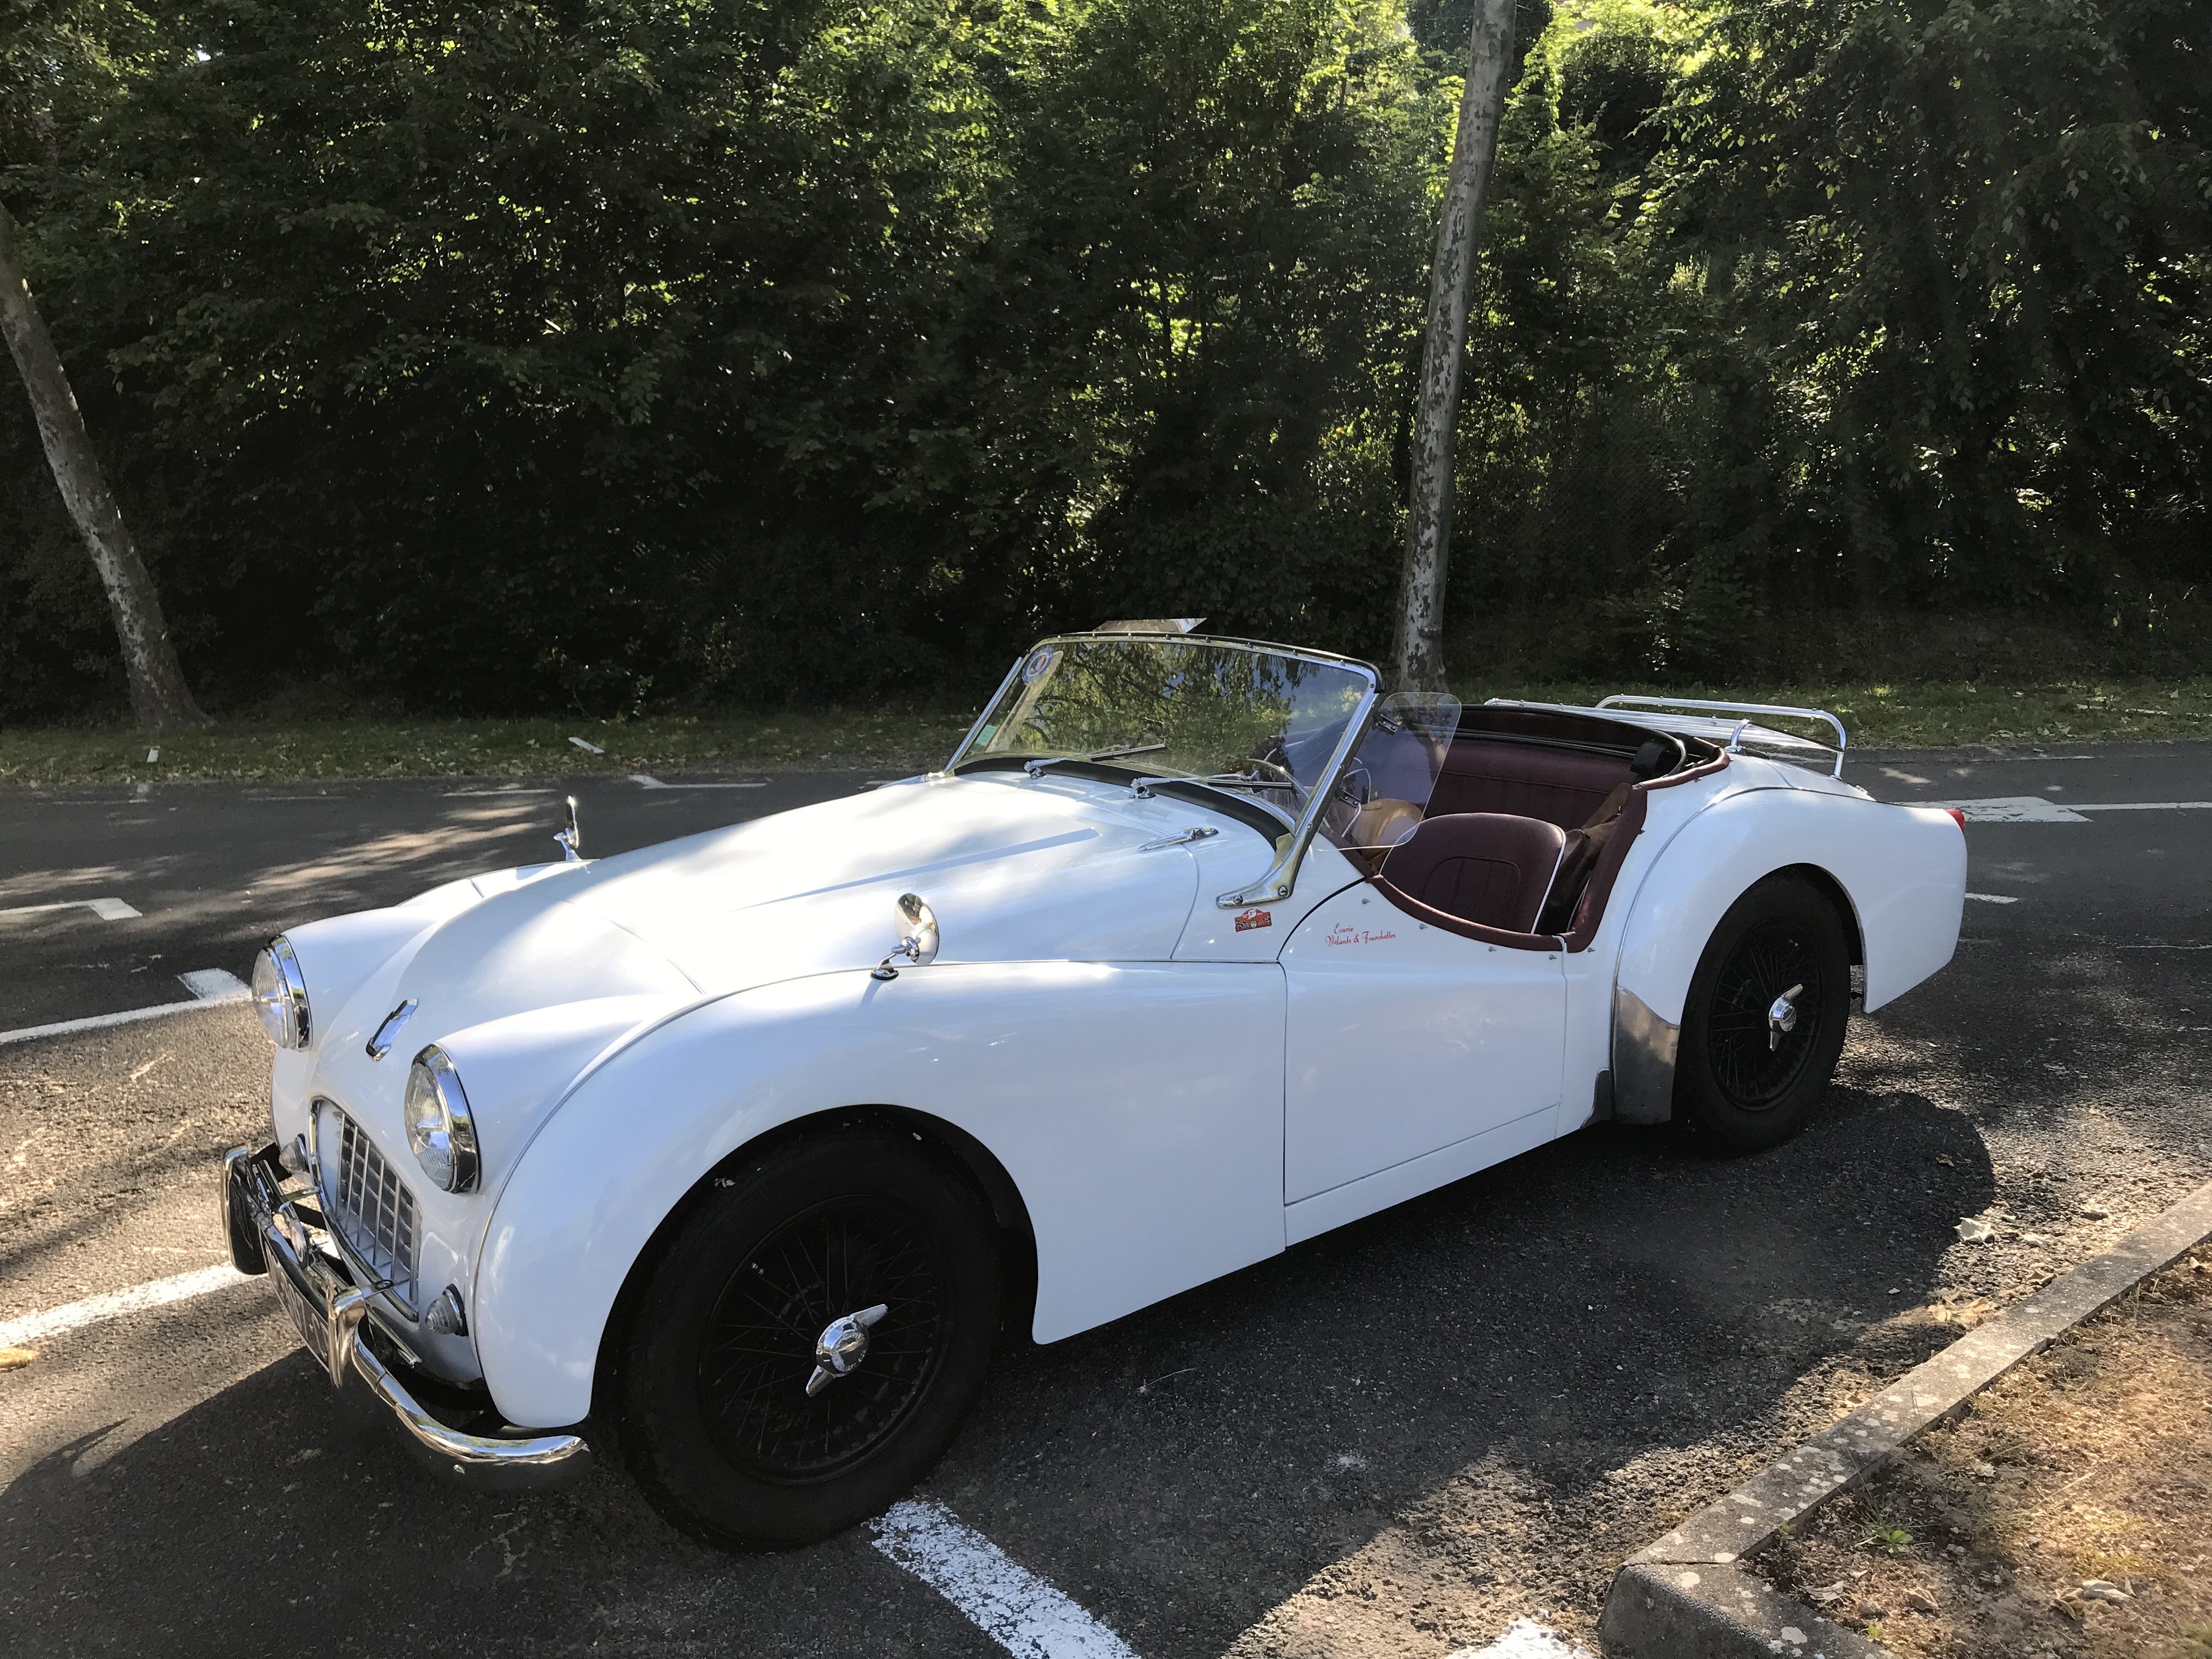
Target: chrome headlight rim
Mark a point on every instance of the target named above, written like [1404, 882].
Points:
[444, 1144]
[280, 995]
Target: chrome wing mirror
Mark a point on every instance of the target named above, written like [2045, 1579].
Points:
[917, 944]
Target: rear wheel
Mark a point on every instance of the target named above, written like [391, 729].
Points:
[812, 1340]
[1764, 1023]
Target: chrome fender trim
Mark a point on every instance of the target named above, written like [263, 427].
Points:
[1644, 1048]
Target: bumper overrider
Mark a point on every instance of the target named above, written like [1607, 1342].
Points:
[275, 1223]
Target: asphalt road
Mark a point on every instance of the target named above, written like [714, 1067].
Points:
[1395, 1439]
[216, 870]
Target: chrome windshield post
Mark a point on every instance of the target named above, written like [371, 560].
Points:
[990, 704]
[1291, 849]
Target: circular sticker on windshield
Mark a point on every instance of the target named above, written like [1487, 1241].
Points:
[1040, 660]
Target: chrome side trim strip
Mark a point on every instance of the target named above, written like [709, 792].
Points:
[1644, 1050]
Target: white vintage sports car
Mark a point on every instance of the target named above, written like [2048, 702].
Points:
[736, 1153]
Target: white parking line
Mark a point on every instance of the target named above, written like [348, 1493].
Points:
[2034, 809]
[211, 988]
[2144, 806]
[644, 782]
[458, 794]
[1994, 898]
[1525, 1638]
[22, 1332]
[107, 909]
[1010, 1604]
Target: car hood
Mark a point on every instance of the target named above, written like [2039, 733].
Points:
[1014, 869]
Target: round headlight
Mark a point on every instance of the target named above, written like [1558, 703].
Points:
[439, 1127]
[280, 994]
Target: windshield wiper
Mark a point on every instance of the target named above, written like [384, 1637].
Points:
[1035, 767]
[1142, 787]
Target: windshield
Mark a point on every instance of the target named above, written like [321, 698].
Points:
[1384, 792]
[1236, 716]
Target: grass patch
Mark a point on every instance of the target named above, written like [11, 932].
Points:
[270, 752]
[1939, 715]
[1906, 714]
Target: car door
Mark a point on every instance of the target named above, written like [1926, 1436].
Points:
[1403, 1042]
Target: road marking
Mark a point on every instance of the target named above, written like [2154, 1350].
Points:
[2144, 806]
[214, 985]
[1525, 1638]
[107, 909]
[2011, 809]
[1012, 1605]
[21, 1333]
[2034, 809]
[644, 782]
[458, 794]
[211, 987]
[1994, 898]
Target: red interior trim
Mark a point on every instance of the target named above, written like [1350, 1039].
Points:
[1591, 910]
[1703, 769]
[1451, 924]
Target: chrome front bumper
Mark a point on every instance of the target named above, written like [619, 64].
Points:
[275, 1225]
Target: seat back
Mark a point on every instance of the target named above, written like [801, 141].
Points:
[1560, 785]
[1490, 868]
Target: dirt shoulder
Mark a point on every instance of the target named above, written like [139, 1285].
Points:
[2069, 1512]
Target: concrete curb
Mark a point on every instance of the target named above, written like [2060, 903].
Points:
[1685, 1597]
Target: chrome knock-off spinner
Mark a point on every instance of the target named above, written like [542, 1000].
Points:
[1782, 1018]
[842, 1347]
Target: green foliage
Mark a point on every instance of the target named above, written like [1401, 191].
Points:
[532, 351]
[606, 357]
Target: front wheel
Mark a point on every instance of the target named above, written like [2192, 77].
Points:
[810, 1342]
[1764, 1023]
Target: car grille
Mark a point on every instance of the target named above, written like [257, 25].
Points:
[373, 1210]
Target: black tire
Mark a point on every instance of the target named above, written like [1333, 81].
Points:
[1742, 1085]
[714, 1415]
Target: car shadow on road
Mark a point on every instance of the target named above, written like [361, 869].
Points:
[1413, 1430]
[1423, 1422]
[265, 1522]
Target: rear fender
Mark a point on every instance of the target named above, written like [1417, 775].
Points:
[1901, 870]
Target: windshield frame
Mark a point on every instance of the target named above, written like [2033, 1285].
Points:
[1291, 847]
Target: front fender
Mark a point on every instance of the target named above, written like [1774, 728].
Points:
[1137, 1108]
[1902, 869]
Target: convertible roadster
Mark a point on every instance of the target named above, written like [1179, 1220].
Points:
[736, 1154]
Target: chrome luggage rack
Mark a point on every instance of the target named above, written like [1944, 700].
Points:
[1737, 736]
[1765, 736]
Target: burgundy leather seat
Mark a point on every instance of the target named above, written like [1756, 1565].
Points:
[1490, 868]
[1560, 785]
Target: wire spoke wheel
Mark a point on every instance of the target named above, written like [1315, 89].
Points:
[1763, 1022]
[1753, 1059]
[829, 1261]
[857, 1260]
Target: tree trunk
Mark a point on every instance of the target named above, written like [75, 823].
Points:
[1417, 653]
[159, 696]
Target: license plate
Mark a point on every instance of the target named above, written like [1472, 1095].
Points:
[313, 1329]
